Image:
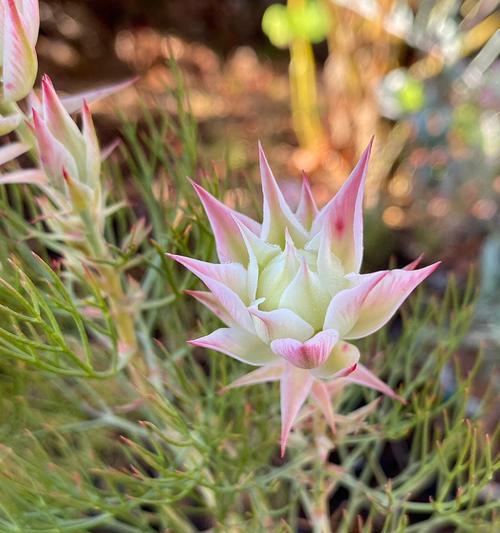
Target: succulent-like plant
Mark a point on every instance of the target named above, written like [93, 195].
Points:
[291, 293]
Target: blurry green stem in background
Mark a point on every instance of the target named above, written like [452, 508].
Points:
[303, 86]
[110, 284]
[297, 26]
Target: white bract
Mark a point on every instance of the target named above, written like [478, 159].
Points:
[291, 294]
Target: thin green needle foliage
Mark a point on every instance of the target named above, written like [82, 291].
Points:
[92, 441]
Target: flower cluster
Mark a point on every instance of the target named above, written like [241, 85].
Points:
[291, 294]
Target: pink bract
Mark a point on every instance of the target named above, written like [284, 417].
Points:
[291, 294]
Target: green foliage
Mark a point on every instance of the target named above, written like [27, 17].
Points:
[95, 442]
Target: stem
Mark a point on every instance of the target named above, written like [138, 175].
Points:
[111, 285]
[303, 88]
[317, 511]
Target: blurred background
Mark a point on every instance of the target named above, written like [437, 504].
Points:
[314, 80]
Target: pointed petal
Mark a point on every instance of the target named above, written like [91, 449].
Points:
[11, 151]
[280, 323]
[306, 297]
[263, 251]
[264, 374]
[307, 209]
[252, 271]
[366, 378]
[32, 176]
[226, 297]
[19, 62]
[342, 217]
[61, 125]
[277, 214]
[233, 275]
[9, 123]
[53, 155]
[30, 15]
[329, 267]
[345, 307]
[380, 303]
[228, 239]
[342, 362]
[92, 150]
[414, 264]
[211, 302]
[238, 344]
[80, 194]
[309, 354]
[74, 102]
[295, 386]
[321, 396]
[277, 275]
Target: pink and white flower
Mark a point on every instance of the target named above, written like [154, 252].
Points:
[291, 294]
[63, 149]
[69, 170]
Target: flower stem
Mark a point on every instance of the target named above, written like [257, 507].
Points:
[111, 285]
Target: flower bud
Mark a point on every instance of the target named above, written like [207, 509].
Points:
[65, 152]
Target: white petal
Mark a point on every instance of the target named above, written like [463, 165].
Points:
[364, 309]
[211, 302]
[62, 126]
[307, 297]
[53, 155]
[295, 386]
[280, 323]
[92, 150]
[321, 395]
[11, 151]
[345, 307]
[19, 61]
[228, 239]
[342, 217]
[264, 374]
[9, 123]
[330, 268]
[74, 102]
[366, 378]
[277, 214]
[306, 210]
[33, 176]
[276, 277]
[30, 14]
[238, 344]
[233, 275]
